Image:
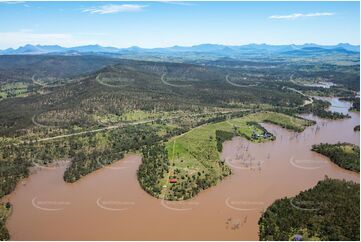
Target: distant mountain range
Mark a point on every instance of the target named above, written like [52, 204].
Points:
[219, 50]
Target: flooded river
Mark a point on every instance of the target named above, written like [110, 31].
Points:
[110, 205]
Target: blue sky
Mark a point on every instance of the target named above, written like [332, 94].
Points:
[162, 24]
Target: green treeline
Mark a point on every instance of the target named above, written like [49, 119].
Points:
[83, 163]
[11, 172]
[284, 125]
[154, 167]
[4, 233]
[89, 151]
[222, 136]
[117, 144]
[318, 108]
[5, 210]
[329, 211]
[344, 155]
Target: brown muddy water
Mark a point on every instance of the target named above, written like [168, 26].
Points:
[110, 205]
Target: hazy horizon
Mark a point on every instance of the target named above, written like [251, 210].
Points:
[167, 24]
[186, 46]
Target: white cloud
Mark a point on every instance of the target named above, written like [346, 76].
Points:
[115, 8]
[178, 3]
[12, 2]
[300, 15]
[16, 2]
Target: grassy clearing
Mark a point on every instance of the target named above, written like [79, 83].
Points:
[194, 155]
[131, 116]
[140, 115]
[17, 89]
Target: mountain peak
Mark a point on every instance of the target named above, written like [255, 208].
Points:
[218, 49]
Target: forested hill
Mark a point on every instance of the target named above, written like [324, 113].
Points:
[138, 85]
[23, 67]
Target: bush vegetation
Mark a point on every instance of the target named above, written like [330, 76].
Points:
[5, 210]
[154, 167]
[344, 155]
[330, 211]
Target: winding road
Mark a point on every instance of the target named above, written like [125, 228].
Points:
[238, 85]
[145, 121]
[169, 84]
[130, 124]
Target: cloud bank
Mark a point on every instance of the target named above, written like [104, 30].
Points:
[300, 15]
[115, 8]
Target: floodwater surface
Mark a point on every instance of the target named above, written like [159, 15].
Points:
[110, 205]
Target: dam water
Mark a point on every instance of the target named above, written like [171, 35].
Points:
[109, 204]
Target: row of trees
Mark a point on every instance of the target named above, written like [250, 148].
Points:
[317, 107]
[85, 163]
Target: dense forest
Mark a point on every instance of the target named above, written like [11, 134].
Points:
[329, 211]
[105, 95]
[24, 67]
[344, 155]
